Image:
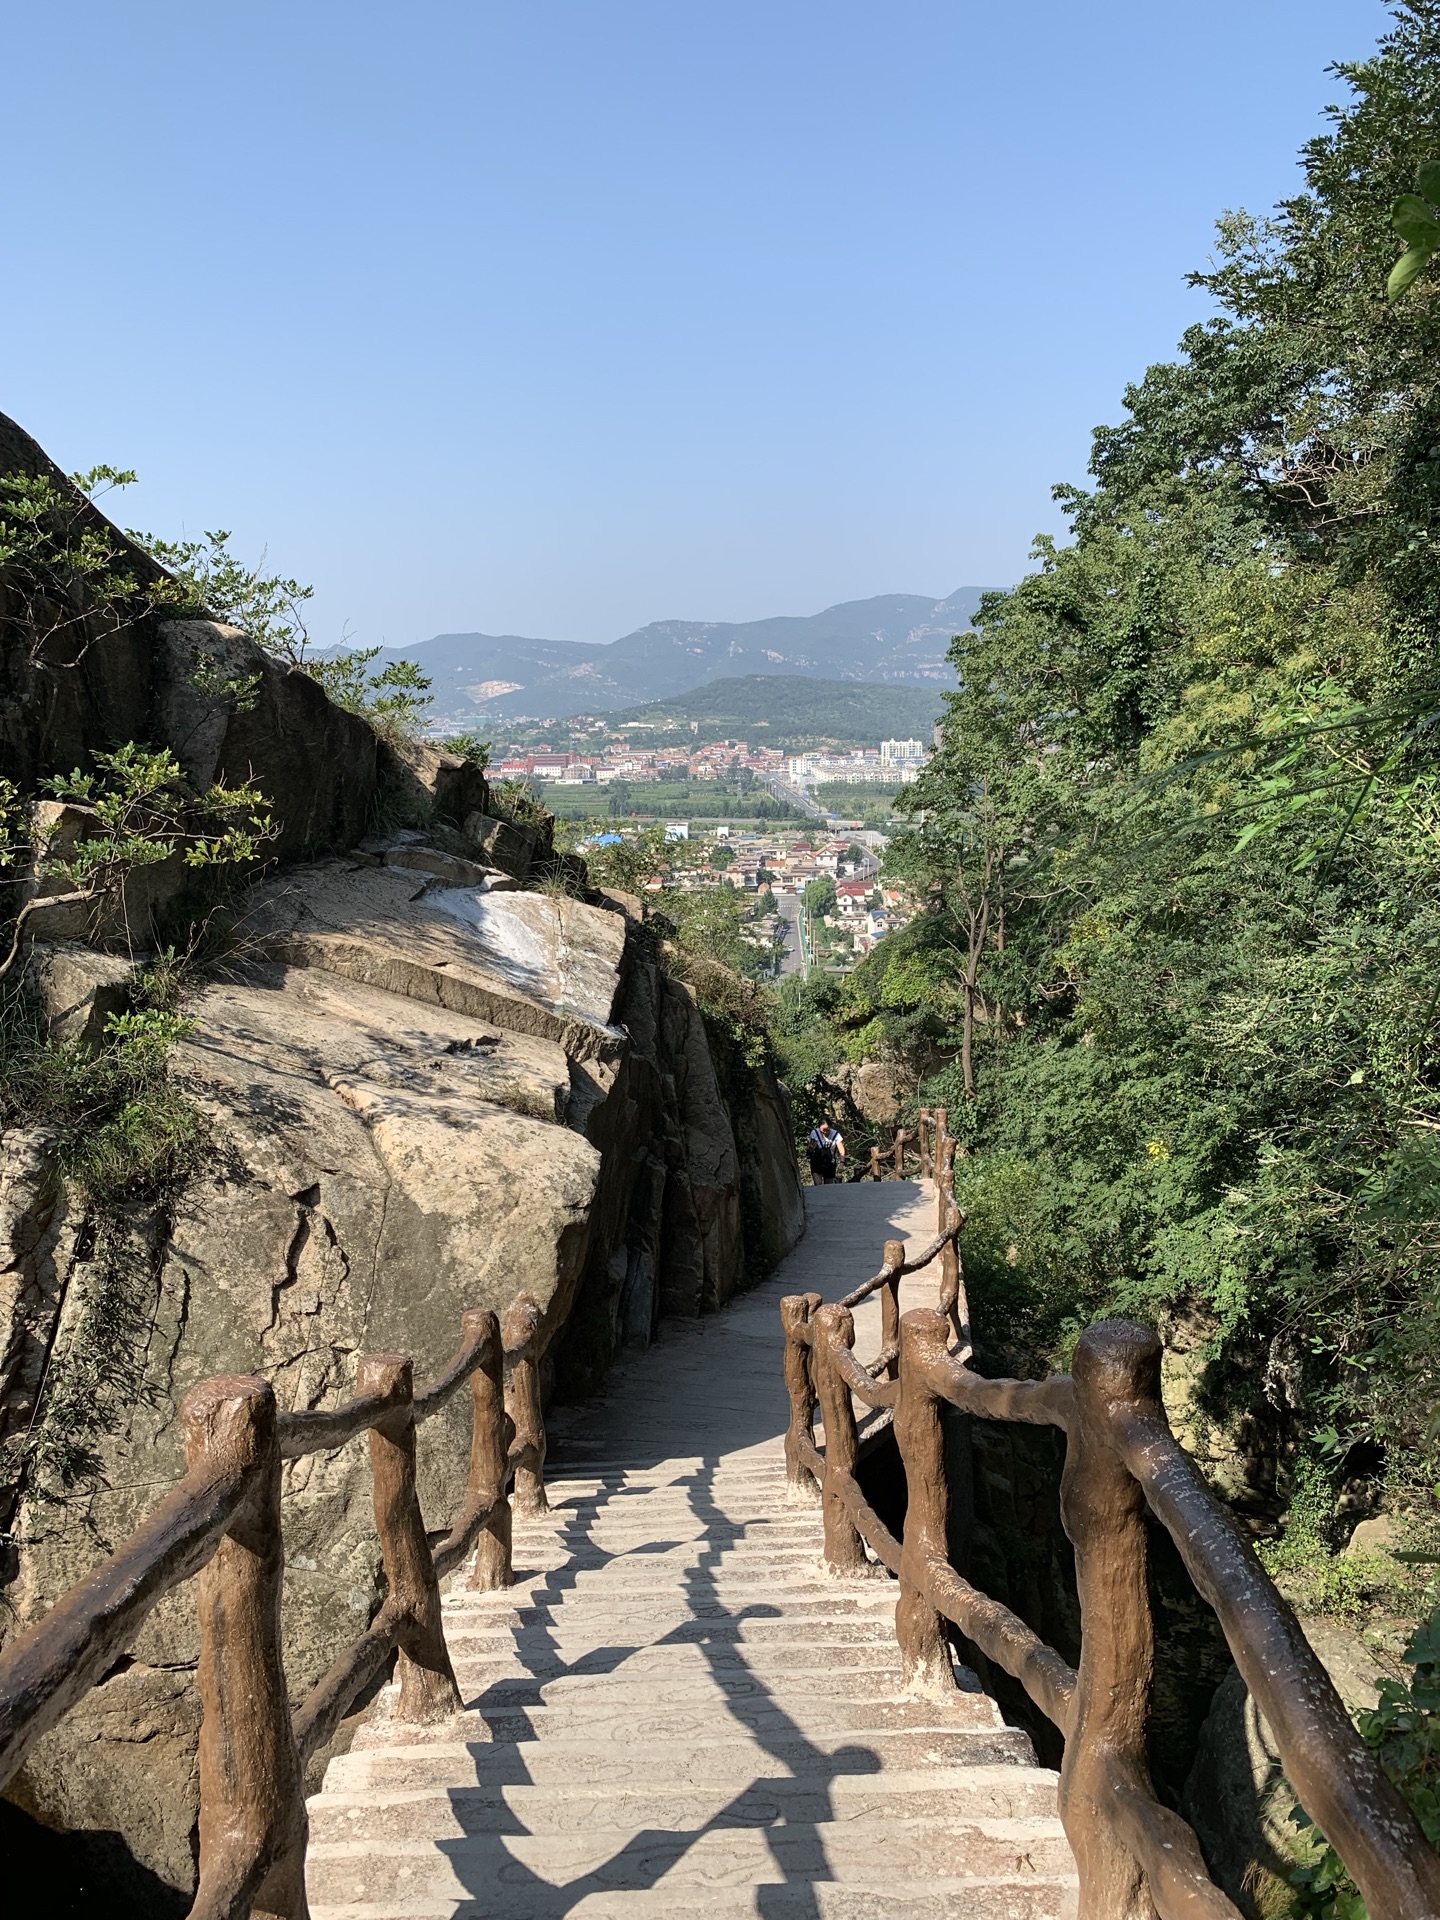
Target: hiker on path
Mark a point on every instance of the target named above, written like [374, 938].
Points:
[826, 1148]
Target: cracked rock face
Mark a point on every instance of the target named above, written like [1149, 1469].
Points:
[424, 1097]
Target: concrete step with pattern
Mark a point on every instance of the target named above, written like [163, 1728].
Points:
[614, 1858]
[726, 1755]
[521, 1807]
[1010, 1897]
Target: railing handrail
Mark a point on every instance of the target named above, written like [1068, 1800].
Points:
[220, 1525]
[1130, 1850]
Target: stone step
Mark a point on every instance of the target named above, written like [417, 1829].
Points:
[602, 1544]
[571, 1626]
[387, 1756]
[761, 1483]
[633, 1579]
[698, 1693]
[936, 1793]
[735, 1503]
[685, 1658]
[1034, 1898]
[631, 1723]
[619, 1860]
[500, 1611]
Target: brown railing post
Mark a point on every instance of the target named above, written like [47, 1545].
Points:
[522, 1403]
[795, 1312]
[427, 1681]
[890, 1307]
[875, 1173]
[491, 1432]
[898, 1152]
[920, 1436]
[844, 1549]
[949, 1290]
[937, 1163]
[1103, 1511]
[252, 1801]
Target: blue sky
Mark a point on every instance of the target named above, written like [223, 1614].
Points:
[555, 318]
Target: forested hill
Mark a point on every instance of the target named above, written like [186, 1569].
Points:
[790, 712]
[897, 638]
[1177, 974]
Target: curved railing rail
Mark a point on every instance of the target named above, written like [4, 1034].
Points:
[220, 1525]
[1135, 1857]
[918, 1140]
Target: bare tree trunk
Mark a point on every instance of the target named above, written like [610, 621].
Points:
[976, 935]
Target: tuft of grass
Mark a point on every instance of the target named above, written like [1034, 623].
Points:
[125, 1139]
[1315, 1578]
[124, 1132]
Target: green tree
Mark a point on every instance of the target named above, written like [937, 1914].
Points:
[135, 810]
[1176, 858]
[209, 579]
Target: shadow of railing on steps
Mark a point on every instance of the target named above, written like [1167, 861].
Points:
[715, 1628]
[1135, 1857]
[220, 1525]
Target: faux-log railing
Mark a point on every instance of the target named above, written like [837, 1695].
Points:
[221, 1526]
[1135, 1857]
[919, 1140]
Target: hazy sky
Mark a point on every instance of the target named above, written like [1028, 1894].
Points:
[555, 318]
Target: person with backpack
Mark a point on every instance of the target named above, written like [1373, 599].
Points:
[825, 1147]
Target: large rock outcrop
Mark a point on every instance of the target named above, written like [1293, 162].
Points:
[1237, 1797]
[425, 1090]
[422, 1097]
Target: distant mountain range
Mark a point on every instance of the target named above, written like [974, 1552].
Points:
[785, 710]
[896, 638]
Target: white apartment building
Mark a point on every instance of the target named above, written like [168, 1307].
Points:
[897, 753]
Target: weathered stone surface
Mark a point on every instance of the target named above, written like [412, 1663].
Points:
[873, 1089]
[128, 1763]
[1237, 1797]
[1242, 1452]
[78, 989]
[314, 762]
[532, 963]
[163, 682]
[435, 1099]
[512, 848]
[410, 850]
[351, 1037]
[33, 1217]
[428, 783]
[1381, 1534]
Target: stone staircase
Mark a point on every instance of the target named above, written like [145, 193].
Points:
[676, 1710]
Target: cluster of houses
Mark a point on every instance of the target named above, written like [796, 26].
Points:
[633, 763]
[891, 762]
[785, 863]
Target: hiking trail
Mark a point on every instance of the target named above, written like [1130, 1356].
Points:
[676, 1709]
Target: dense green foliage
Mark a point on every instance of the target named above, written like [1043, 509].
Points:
[1403, 1728]
[786, 711]
[1177, 969]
